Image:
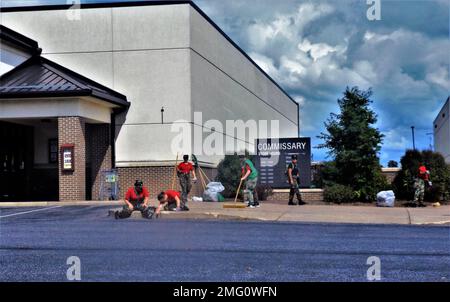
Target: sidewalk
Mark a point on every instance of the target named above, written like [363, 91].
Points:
[281, 212]
[324, 214]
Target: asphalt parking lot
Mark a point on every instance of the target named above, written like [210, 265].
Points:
[35, 244]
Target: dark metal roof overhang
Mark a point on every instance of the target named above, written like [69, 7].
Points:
[19, 41]
[39, 77]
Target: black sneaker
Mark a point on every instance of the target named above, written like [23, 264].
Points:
[251, 206]
[422, 205]
[292, 203]
[302, 203]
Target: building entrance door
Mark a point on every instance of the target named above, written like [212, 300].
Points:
[16, 161]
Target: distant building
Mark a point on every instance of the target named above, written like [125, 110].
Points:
[442, 131]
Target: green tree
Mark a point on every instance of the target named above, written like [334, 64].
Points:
[354, 144]
[392, 164]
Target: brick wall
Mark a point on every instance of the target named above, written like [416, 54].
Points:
[390, 173]
[72, 185]
[308, 195]
[98, 150]
[157, 179]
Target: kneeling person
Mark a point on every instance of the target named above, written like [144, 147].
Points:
[171, 199]
[136, 199]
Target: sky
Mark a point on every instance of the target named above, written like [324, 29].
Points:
[315, 49]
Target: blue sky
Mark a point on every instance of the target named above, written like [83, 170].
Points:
[314, 49]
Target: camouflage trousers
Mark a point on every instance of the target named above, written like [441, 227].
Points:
[147, 212]
[249, 191]
[295, 190]
[186, 186]
[419, 187]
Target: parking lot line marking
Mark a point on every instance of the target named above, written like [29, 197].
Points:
[27, 212]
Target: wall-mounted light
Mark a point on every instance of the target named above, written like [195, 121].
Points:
[162, 115]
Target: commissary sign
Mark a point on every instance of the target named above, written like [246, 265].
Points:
[274, 155]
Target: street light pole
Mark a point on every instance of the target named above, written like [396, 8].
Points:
[431, 137]
[414, 141]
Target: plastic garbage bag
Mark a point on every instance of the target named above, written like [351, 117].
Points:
[215, 187]
[386, 199]
[196, 198]
[210, 196]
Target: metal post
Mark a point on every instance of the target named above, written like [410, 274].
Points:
[413, 138]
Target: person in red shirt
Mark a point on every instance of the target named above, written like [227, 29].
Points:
[423, 177]
[136, 199]
[184, 171]
[170, 198]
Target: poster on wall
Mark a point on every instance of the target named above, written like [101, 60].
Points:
[274, 155]
[67, 154]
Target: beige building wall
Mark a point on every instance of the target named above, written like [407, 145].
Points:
[442, 131]
[159, 56]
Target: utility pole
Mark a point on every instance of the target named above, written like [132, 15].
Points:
[431, 136]
[413, 138]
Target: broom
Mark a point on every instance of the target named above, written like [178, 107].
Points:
[235, 205]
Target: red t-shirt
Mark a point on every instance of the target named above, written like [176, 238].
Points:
[132, 197]
[245, 169]
[185, 167]
[171, 194]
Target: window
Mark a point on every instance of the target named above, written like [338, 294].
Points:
[53, 151]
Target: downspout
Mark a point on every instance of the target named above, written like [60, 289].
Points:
[112, 133]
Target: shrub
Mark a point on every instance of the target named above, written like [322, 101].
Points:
[339, 193]
[228, 173]
[440, 175]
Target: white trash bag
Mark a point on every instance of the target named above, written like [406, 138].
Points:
[386, 199]
[215, 187]
[210, 196]
[212, 191]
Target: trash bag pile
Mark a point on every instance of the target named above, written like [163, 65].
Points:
[212, 192]
[385, 199]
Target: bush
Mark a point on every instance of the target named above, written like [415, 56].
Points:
[440, 175]
[329, 176]
[263, 192]
[228, 173]
[338, 194]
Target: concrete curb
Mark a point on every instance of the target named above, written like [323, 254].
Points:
[60, 203]
[187, 215]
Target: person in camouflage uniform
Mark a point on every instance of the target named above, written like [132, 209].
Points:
[294, 182]
[419, 185]
[249, 174]
[184, 171]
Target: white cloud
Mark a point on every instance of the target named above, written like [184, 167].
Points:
[395, 140]
[439, 76]
[315, 49]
